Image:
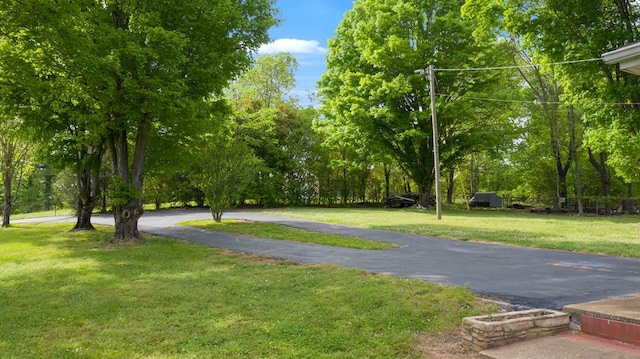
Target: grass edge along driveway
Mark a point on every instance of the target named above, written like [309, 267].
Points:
[615, 235]
[276, 231]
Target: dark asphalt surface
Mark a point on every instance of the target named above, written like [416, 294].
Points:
[522, 276]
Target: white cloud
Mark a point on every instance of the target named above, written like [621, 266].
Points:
[293, 46]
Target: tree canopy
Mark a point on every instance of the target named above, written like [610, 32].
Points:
[155, 90]
[136, 67]
[555, 32]
[371, 82]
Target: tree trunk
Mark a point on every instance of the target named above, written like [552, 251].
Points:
[7, 151]
[126, 223]
[89, 184]
[628, 206]
[216, 213]
[104, 188]
[474, 175]
[363, 185]
[425, 194]
[85, 203]
[345, 189]
[6, 208]
[450, 187]
[407, 184]
[47, 187]
[547, 91]
[387, 177]
[562, 170]
[605, 177]
[126, 216]
[574, 153]
[83, 223]
[551, 93]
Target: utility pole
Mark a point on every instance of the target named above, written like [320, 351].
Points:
[434, 124]
[436, 151]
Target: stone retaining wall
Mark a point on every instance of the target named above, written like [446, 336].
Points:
[489, 331]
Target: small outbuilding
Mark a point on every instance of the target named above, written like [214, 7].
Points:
[485, 199]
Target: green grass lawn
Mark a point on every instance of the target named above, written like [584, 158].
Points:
[619, 236]
[276, 231]
[52, 213]
[67, 295]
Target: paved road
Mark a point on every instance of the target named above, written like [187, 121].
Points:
[523, 276]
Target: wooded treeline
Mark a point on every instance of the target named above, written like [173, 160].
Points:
[98, 97]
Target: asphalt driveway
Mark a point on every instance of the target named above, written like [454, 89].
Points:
[523, 276]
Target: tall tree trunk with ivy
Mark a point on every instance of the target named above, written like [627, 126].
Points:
[126, 187]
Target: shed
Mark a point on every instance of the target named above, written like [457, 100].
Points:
[485, 199]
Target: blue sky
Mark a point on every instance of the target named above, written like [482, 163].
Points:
[305, 27]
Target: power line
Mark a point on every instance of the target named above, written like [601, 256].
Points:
[487, 99]
[536, 102]
[516, 66]
[510, 101]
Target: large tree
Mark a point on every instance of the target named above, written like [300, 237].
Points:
[577, 30]
[146, 66]
[56, 110]
[66, 139]
[371, 81]
[275, 128]
[547, 120]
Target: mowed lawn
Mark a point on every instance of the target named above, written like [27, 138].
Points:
[276, 231]
[617, 235]
[67, 295]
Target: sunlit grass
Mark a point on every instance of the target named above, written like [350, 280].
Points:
[42, 214]
[276, 231]
[618, 235]
[68, 295]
